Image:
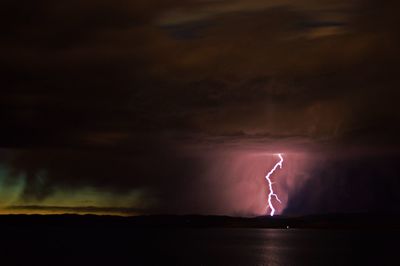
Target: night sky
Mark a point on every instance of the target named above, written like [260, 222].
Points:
[180, 106]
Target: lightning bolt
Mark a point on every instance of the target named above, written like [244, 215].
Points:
[271, 190]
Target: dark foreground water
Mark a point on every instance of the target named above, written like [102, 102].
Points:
[124, 246]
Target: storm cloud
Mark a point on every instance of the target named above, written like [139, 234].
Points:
[167, 98]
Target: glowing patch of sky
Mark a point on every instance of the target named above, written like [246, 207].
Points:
[10, 189]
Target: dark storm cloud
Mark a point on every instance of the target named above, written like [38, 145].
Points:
[109, 94]
[359, 183]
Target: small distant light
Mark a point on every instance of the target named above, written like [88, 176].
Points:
[287, 226]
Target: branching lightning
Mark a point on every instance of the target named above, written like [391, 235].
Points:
[271, 190]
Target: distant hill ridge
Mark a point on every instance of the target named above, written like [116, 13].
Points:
[322, 221]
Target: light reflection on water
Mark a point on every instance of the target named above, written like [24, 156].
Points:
[276, 247]
[179, 246]
[273, 250]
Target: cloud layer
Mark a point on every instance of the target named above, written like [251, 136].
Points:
[169, 97]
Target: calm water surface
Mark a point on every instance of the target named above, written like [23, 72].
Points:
[283, 247]
[133, 246]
